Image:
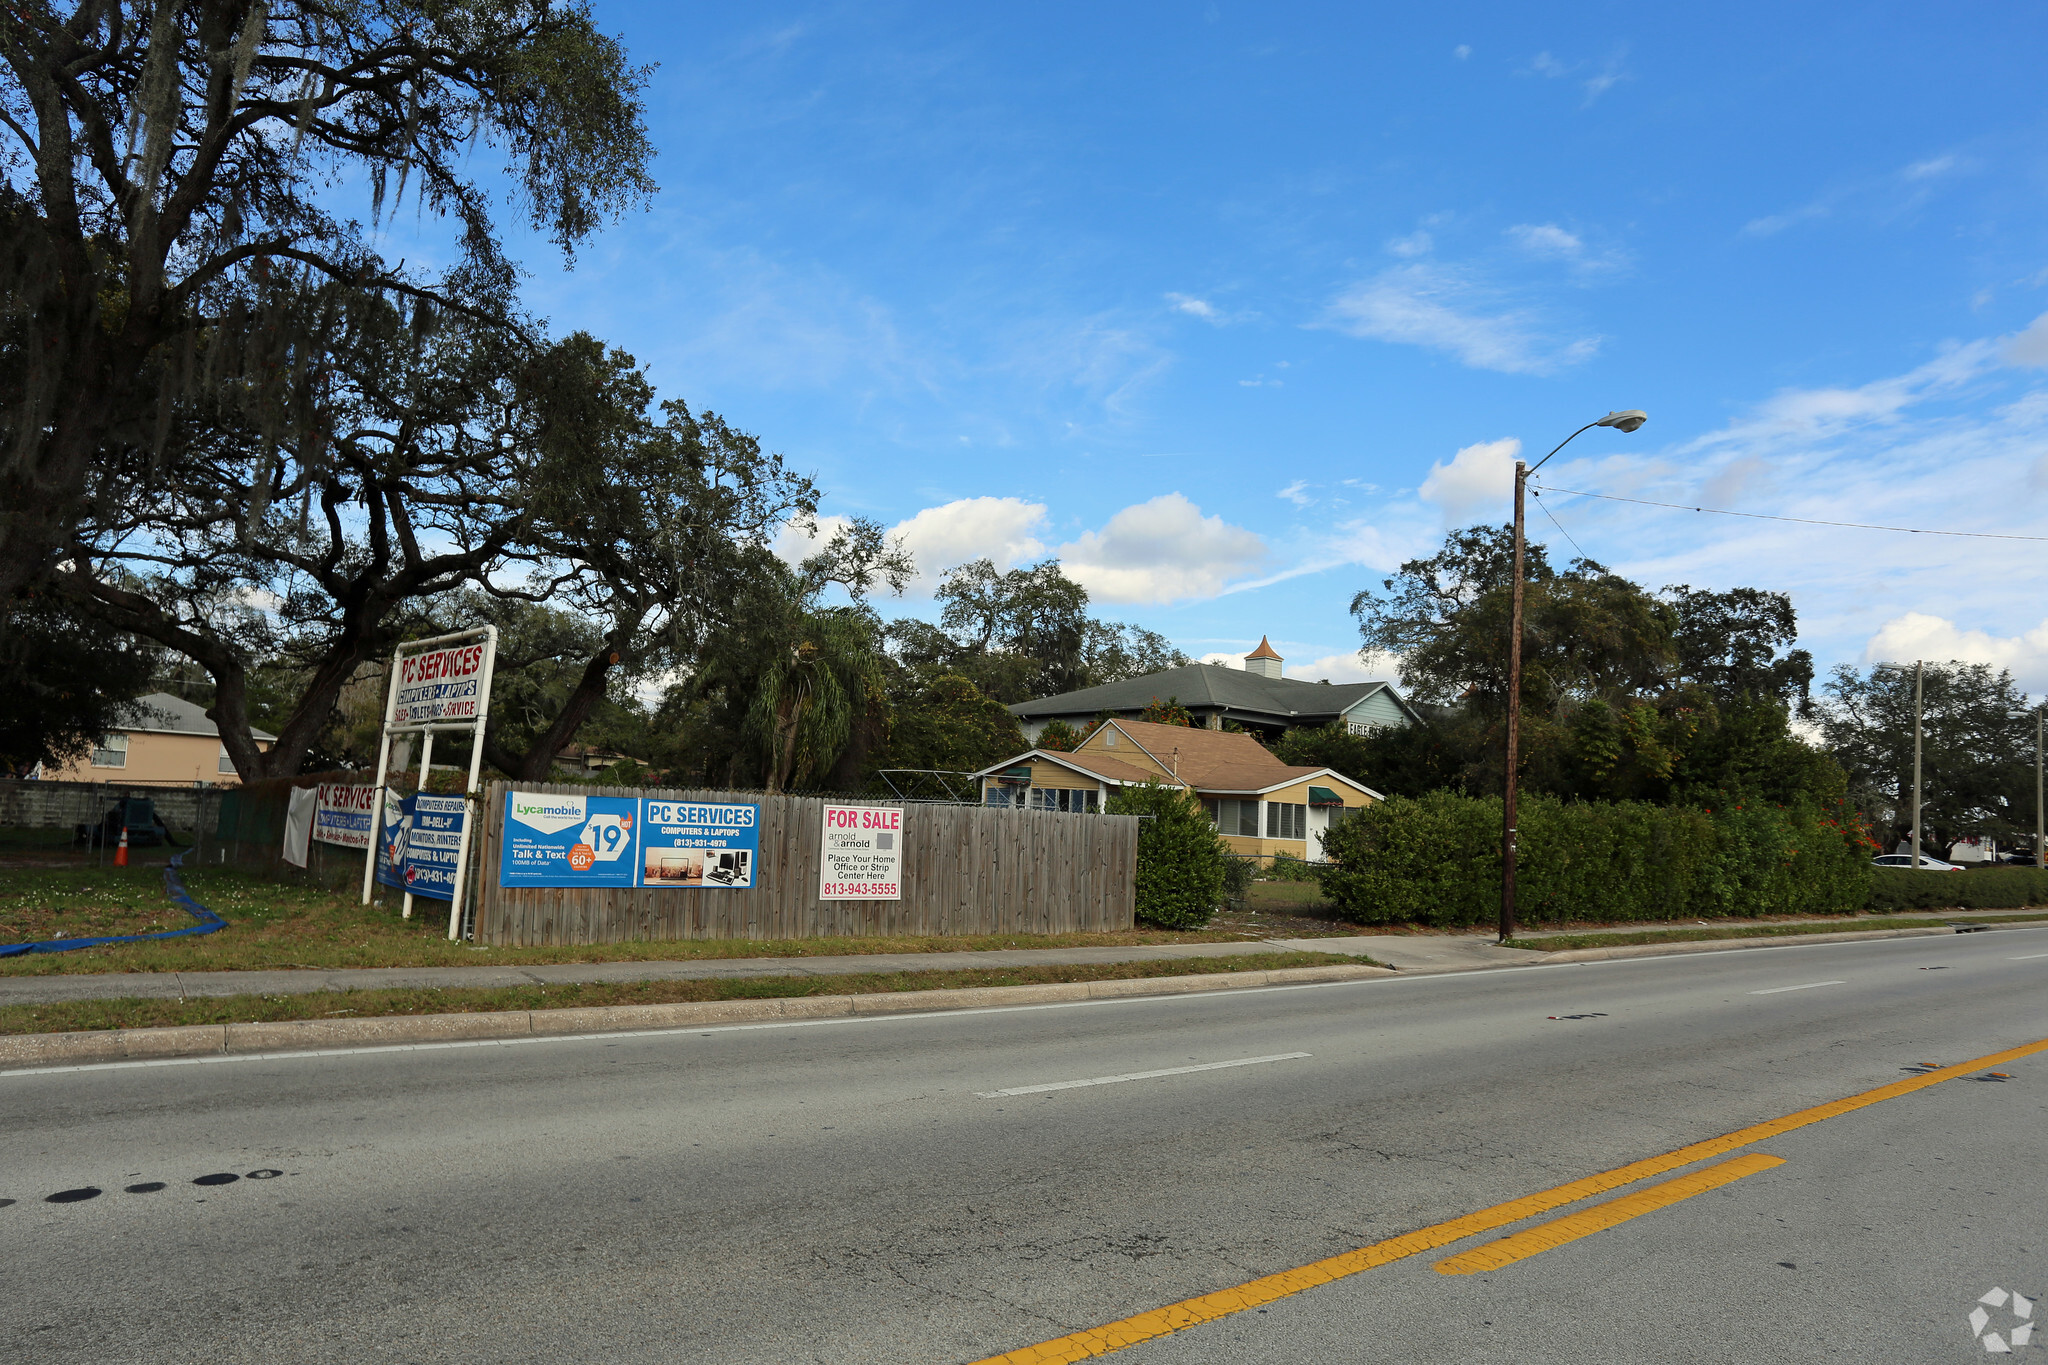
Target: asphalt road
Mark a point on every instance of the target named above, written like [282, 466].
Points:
[845, 1192]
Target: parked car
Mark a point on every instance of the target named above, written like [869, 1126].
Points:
[1905, 860]
[2018, 859]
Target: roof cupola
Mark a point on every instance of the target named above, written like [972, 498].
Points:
[1263, 661]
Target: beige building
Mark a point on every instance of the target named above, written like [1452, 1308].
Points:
[1261, 806]
[168, 739]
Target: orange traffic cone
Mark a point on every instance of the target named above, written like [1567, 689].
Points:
[121, 854]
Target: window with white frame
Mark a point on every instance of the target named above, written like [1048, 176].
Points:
[1231, 816]
[110, 752]
[1286, 820]
[227, 765]
[1073, 802]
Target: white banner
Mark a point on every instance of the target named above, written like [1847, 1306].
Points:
[439, 685]
[343, 814]
[863, 854]
[298, 824]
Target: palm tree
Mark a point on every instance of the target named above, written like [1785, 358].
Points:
[813, 691]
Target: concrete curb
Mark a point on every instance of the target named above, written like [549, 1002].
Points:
[127, 1045]
[1720, 945]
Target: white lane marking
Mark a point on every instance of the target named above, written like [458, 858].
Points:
[1135, 1076]
[1779, 990]
[2026, 957]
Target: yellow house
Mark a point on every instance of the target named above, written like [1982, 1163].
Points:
[1261, 806]
[167, 739]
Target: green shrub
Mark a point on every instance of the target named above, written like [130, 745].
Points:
[1990, 888]
[1435, 859]
[1180, 859]
[1237, 879]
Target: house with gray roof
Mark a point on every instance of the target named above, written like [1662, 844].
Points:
[1256, 697]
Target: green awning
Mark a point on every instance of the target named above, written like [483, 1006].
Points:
[1020, 773]
[1323, 796]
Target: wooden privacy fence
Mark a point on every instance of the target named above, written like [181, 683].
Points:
[966, 870]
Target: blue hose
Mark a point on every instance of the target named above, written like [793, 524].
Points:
[208, 923]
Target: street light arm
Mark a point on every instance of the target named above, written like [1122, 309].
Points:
[1562, 444]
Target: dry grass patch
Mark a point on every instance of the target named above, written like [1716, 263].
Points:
[80, 1015]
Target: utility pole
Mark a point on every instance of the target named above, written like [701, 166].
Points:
[1629, 420]
[2040, 854]
[1918, 668]
[1507, 846]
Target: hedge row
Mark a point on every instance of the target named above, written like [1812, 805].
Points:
[1990, 888]
[1435, 859]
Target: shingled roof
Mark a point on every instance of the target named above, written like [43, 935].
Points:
[1209, 687]
[1212, 760]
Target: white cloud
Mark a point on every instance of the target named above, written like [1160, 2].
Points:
[998, 529]
[1479, 475]
[1605, 80]
[1345, 668]
[1223, 660]
[1416, 243]
[1162, 550]
[1931, 167]
[793, 544]
[1918, 635]
[1462, 51]
[1428, 306]
[1547, 239]
[940, 538]
[1194, 307]
[1883, 197]
[2029, 347]
[1818, 411]
[1296, 493]
[1543, 64]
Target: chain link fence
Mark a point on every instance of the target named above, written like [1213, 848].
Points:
[81, 822]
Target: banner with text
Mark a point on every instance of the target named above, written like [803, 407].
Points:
[434, 845]
[394, 829]
[344, 813]
[569, 840]
[438, 685]
[684, 843]
[863, 854]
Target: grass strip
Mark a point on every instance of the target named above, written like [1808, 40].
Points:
[1557, 943]
[273, 924]
[84, 1015]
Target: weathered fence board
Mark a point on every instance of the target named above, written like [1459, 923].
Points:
[966, 870]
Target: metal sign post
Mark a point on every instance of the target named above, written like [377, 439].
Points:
[443, 683]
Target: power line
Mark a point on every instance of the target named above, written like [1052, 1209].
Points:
[1803, 521]
[1559, 525]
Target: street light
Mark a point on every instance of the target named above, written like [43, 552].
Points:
[1628, 420]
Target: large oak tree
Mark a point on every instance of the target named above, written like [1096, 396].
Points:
[170, 229]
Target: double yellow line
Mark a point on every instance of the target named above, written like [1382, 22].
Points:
[1176, 1317]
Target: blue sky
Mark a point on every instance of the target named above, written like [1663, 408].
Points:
[1235, 307]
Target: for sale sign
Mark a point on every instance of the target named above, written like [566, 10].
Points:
[570, 840]
[863, 854]
[439, 685]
